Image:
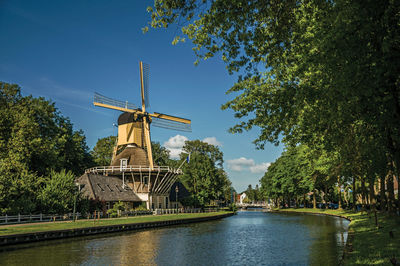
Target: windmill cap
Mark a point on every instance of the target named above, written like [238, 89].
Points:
[126, 118]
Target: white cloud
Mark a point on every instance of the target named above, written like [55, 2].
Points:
[212, 141]
[244, 164]
[174, 145]
[259, 168]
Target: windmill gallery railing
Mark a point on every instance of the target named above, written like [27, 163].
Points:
[105, 100]
[131, 168]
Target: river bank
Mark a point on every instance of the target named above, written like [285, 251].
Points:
[24, 233]
[248, 238]
[367, 244]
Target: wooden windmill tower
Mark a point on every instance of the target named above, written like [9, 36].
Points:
[134, 123]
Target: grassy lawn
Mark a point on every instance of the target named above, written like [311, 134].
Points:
[50, 226]
[371, 245]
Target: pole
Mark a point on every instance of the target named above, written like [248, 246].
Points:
[183, 161]
[76, 195]
[176, 197]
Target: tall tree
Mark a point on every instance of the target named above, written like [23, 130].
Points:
[58, 193]
[34, 139]
[311, 71]
[103, 150]
[203, 175]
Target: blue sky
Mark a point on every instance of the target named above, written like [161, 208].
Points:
[67, 50]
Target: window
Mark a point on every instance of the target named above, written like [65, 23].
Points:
[108, 186]
[146, 180]
[166, 202]
[159, 205]
[118, 188]
[100, 187]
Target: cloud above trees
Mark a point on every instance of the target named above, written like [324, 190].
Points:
[175, 144]
[244, 164]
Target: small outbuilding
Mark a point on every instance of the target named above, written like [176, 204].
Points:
[108, 189]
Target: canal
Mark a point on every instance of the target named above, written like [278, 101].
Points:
[248, 238]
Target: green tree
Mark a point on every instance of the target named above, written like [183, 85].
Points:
[311, 72]
[161, 155]
[103, 150]
[204, 176]
[59, 192]
[34, 139]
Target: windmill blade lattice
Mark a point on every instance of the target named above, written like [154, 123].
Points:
[146, 77]
[105, 100]
[159, 122]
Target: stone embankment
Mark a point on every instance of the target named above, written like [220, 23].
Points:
[87, 231]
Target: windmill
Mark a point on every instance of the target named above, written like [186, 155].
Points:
[134, 123]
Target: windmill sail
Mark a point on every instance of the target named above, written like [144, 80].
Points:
[146, 77]
[168, 124]
[98, 98]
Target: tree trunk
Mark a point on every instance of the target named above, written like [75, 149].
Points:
[398, 192]
[372, 195]
[354, 194]
[382, 203]
[390, 187]
[363, 194]
[314, 199]
[304, 201]
[339, 193]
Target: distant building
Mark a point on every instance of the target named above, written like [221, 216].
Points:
[242, 197]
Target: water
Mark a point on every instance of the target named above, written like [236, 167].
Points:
[248, 238]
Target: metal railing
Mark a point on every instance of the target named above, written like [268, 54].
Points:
[131, 168]
[182, 210]
[31, 218]
[106, 100]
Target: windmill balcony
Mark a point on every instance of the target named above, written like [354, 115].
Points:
[116, 170]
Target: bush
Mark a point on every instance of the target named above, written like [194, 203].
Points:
[142, 207]
[233, 207]
[117, 209]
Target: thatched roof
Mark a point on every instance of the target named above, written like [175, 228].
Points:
[135, 156]
[107, 188]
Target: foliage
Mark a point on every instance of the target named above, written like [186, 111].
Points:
[203, 175]
[102, 152]
[141, 207]
[34, 140]
[161, 155]
[324, 74]
[116, 210]
[253, 195]
[233, 207]
[288, 177]
[59, 193]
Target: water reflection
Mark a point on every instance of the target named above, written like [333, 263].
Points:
[249, 238]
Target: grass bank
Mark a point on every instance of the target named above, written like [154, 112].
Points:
[52, 226]
[367, 243]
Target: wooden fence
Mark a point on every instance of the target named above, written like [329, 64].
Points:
[31, 218]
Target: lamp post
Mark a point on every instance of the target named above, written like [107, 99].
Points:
[176, 197]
